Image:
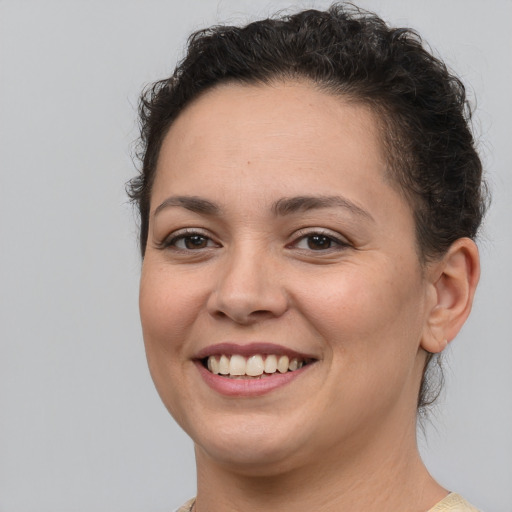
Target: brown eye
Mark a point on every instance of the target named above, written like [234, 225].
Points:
[195, 242]
[191, 242]
[319, 242]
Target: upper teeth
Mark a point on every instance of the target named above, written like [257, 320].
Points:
[252, 366]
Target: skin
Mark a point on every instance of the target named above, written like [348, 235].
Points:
[342, 435]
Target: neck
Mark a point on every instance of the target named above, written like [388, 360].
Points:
[371, 478]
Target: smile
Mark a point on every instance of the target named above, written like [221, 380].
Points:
[251, 369]
[257, 366]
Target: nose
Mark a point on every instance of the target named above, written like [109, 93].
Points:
[249, 288]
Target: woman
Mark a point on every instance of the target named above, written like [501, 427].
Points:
[309, 198]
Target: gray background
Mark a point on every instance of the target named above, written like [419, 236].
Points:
[81, 427]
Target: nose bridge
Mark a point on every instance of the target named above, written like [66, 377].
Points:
[248, 288]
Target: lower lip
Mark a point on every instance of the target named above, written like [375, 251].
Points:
[247, 387]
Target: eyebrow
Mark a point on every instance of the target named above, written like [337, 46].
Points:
[282, 207]
[287, 206]
[192, 203]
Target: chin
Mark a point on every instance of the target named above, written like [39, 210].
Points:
[252, 448]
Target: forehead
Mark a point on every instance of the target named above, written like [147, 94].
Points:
[282, 127]
[292, 110]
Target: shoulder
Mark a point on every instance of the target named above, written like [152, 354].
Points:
[187, 507]
[453, 503]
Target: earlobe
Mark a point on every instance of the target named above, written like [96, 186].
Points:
[453, 283]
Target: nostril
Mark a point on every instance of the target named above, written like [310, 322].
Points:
[242, 317]
[262, 313]
[246, 300]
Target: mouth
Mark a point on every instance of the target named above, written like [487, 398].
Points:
[255, 366]
[251, 370]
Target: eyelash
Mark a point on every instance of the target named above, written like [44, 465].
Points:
[328, 236]
[184, 235]
[189, 234]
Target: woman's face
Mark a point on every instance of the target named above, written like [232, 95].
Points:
[275, 234]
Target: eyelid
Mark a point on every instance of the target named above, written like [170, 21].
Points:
[333, 235]
[180, 234]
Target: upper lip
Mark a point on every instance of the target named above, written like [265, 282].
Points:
[250, 349]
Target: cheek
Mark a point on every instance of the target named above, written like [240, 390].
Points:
[363, 310]
[168, 306]
[371, 325]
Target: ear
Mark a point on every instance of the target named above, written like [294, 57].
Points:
[453, 283]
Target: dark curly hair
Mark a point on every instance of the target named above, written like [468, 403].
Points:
[421, 107]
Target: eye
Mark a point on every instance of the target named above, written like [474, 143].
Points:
[319, 241]
[189, 241]
[315, 242]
